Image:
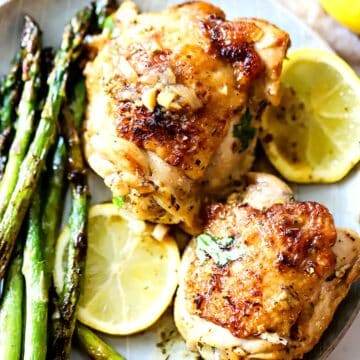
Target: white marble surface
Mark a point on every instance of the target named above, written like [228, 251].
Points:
[349, 347]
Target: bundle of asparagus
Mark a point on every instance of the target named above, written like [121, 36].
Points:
[34, 171]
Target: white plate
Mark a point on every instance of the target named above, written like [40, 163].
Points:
[342, 199]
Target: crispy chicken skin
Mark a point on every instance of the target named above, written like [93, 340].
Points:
[276, 300]
[165, 93]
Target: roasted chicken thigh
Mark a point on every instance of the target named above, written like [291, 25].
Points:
[266, 277]
[174, 103]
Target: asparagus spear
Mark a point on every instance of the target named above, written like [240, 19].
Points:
[54, 203]
[38, 255]
[64, 324]
[54, 194]
[44, 136]
[11, 309]
[11, 92]
[34, 271]
[103, 8]
[31, 52]
[64, 317]
[77, 103]
[11, 304]
[12, 89]
[94, 346]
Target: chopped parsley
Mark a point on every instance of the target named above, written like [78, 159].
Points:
[119, 201]
[244, 131]
[219, 249]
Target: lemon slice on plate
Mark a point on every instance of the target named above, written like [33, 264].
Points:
[314, 134]
[130, 278]
[346, 12]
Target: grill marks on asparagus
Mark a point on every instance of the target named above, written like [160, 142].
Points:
[44, 137]
[66, 317]
[26, 69]
[34, 262]
[54, 200]
[43, 225]
[31, 76]
[11, 90]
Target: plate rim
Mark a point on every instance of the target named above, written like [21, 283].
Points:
[319, 39]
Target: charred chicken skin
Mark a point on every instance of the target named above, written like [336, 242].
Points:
[174, 104]
[275, 298]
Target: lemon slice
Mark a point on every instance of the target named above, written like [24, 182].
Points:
[130, 278]
[314, 134]
[346, 12]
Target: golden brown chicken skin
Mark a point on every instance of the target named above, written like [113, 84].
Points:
[287, 255]
[278, 295]
[165, 94]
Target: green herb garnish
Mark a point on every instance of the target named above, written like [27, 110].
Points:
[244, 131]
[119, 201]
[109, 24]
[218, 249]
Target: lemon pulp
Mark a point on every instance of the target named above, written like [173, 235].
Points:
[314, 134]
[130, 278]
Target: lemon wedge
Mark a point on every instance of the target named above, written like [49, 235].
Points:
[346, 12]
[314, 134]
[130, 278]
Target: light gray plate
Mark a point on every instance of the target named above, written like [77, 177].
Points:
[342, 199]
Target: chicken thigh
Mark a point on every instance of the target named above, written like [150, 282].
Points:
[174, 103]
[265, 278]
